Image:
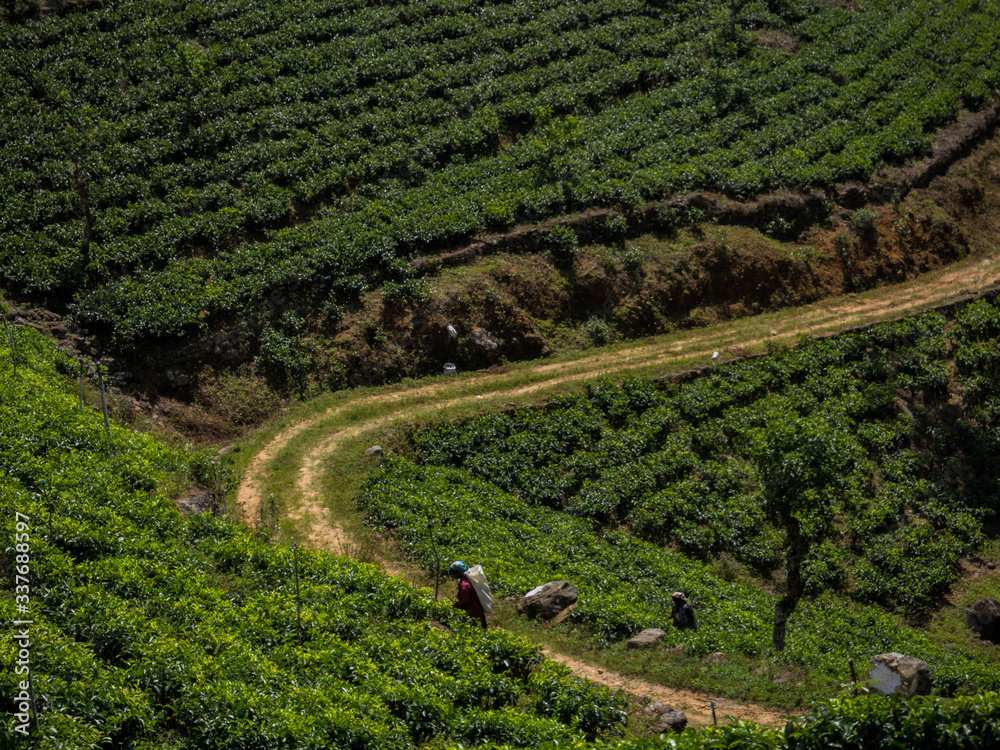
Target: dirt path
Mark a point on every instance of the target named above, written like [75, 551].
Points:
[248, 494]
[397, 405]
[697, 707]
[845, 312]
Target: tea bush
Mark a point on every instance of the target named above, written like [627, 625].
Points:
[631, 490]
[166, 167]
[147, 626]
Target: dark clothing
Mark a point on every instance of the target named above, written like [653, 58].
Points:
[683, 616]
[468, 599]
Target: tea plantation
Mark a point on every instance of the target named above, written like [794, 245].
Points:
[174, 171]
[170, 168]
[152, 630]
[632, 492]
[136, 627]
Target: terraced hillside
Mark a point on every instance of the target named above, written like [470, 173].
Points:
[233, 203]
[229, 183]
[139, 628]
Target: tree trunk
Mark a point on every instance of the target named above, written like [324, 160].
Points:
[794, 586]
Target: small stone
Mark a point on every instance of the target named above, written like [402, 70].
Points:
[673, 721]
[782, 679]
[716, 657]
[563, 615]
[983, 617]
[548, 600]
[656, 707]
[375, 450]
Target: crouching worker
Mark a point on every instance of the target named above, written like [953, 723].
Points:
[682, 613]
[474, 595]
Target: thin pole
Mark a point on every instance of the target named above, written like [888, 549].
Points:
[104, 403]
[435, 540]
[298, 601]
[220, 488]
[81, 386]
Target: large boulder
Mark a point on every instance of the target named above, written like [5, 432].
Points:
[646, 639]
[487, 344]
[984, 618]
[896, 674]
[548, 600]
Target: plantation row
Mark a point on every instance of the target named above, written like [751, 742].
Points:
[680, 465]
[601, 488]
[147, 626]
[150, 630]
[167, 165]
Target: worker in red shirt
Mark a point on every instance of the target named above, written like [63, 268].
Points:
[467, 598]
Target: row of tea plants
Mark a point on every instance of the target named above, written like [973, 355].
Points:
[632, 492]
[150, 629]
[168, 166]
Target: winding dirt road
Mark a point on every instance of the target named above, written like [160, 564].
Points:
[321, 444]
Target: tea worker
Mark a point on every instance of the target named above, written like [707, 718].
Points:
[682, 613]
[467, 598]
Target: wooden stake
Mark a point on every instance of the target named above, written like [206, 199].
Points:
[298, 601]
[104, 403]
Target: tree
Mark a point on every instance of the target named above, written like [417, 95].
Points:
[800, 462]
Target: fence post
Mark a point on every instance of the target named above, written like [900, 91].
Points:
[298, 601]
[104, 401]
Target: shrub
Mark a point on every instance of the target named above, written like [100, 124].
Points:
[563, 244]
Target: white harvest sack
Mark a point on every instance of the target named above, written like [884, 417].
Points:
[477, 577]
